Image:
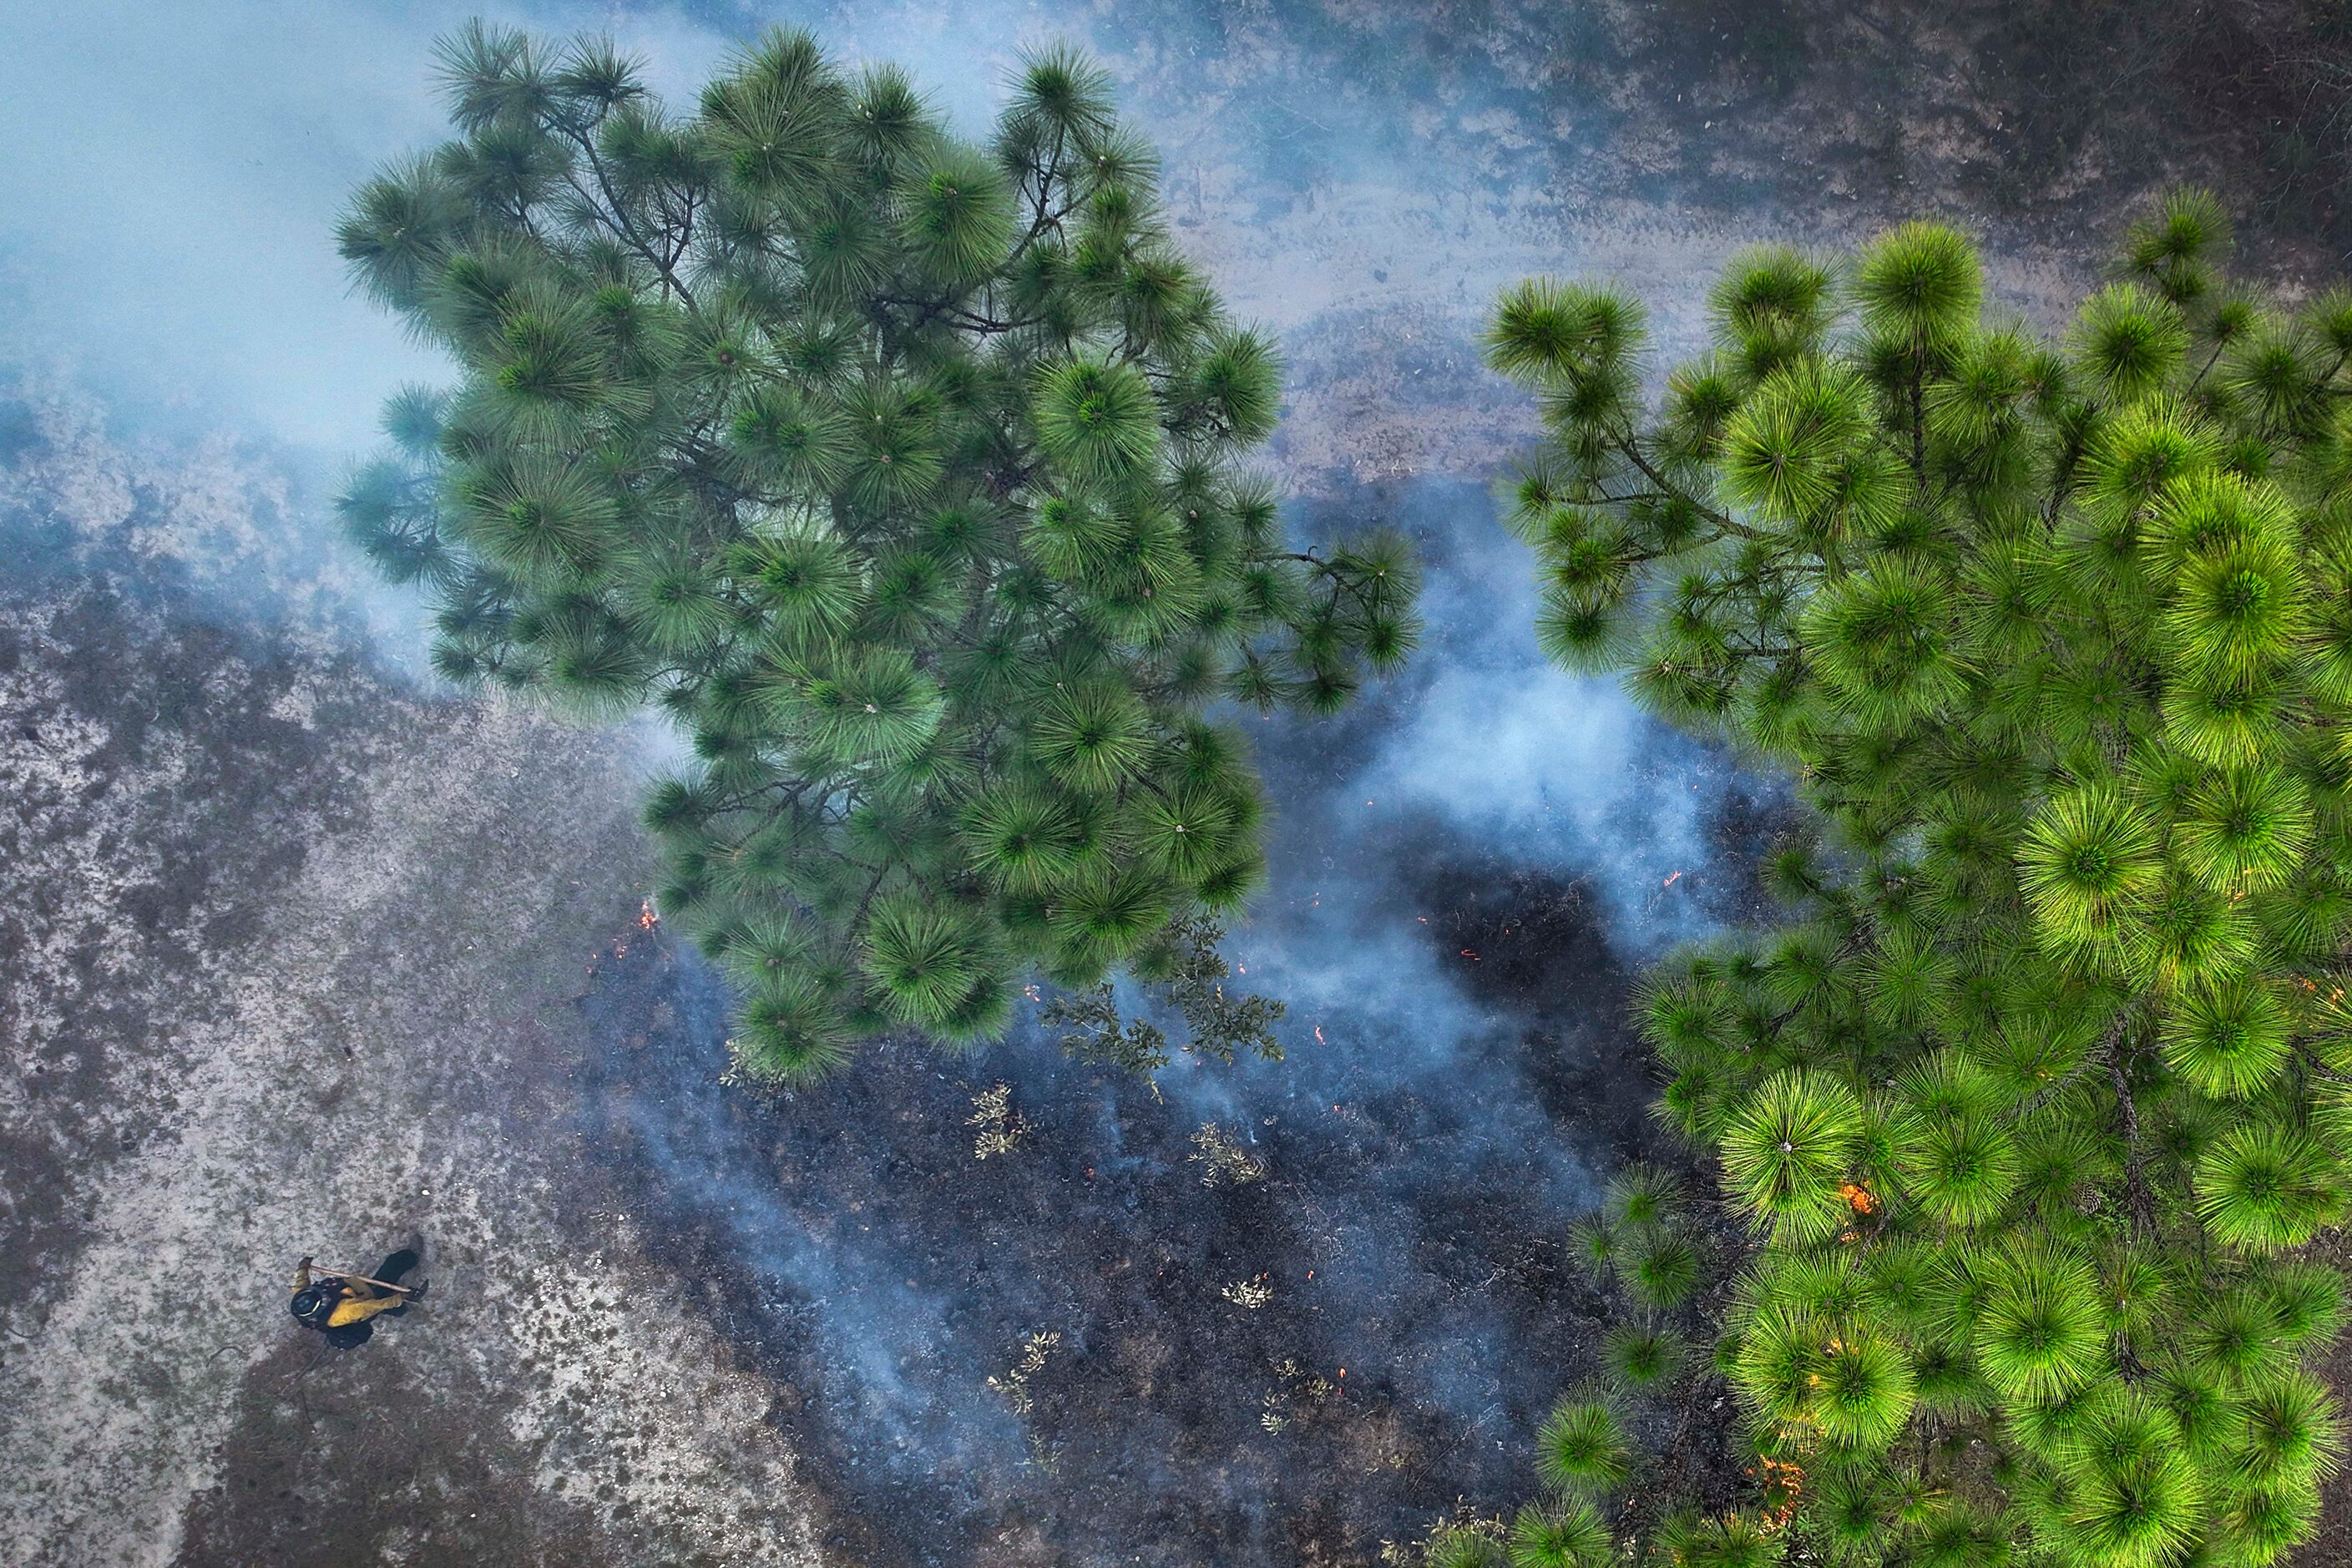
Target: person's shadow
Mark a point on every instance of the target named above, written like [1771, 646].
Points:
[350, 1336]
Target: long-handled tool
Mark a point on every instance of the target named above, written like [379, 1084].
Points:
[345, 1274]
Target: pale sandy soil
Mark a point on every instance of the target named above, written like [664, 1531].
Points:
[262, 997]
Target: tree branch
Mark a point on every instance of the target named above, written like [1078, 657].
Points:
[2137, 1200]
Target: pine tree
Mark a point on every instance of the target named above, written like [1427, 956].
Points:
[907, 476]
[2023, 1109]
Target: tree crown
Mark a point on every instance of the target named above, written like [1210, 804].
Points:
[908, 475]
[2018, 1116]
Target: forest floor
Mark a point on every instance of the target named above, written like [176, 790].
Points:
[300, 961]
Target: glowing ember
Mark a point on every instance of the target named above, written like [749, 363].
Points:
[1672, 880]
[646, 919]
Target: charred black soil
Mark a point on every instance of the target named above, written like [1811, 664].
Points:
[1174, 1419]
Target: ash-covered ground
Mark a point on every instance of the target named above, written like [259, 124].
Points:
[302, 956]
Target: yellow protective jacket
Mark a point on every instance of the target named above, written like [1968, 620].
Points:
[358, 1301]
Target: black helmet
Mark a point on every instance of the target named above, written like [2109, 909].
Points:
[312, 1305]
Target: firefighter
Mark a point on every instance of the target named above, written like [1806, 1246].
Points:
[340, 1306]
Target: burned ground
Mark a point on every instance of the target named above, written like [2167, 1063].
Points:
[1419, 1304]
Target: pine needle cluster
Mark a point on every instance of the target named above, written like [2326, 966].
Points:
[2028, 1105]
[909, 476]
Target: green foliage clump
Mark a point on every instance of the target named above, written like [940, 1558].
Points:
[2025, 1108]
[906, 475]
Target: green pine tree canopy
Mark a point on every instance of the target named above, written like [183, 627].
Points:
[2029, 1102]
[907, 475]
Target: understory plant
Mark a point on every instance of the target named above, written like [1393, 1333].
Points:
[907, 476]
[2021, 1118]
